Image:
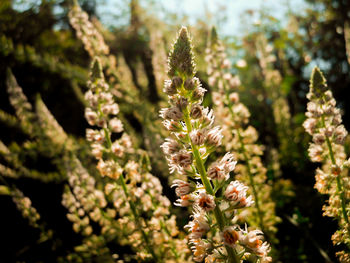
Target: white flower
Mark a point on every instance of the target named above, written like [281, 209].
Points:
[171, 113]
[236, 193]
[310, 125]
[185, 200]
[182, 187]
[199, 249]
[241, 63]
[205, 201]
[198, 136]
[199, 225]
[230, 236]
[252, 241]
[116, 125]
[220, 170]
[315, 153]
[170, 146]
[217, 171]
[180, 160]
[90, 116]
[214, 136]
[208, 117]
[228, 161]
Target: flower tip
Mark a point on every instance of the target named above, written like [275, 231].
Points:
[317, 78]
[213, 35]
[181, 57]
[183, 39]
[96, 69]
[183, 33]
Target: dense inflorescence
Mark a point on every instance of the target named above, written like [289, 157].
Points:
[209, 188]
[324, 124]
[94, 44]
[86, 31]
[240, 137]
[136, 194]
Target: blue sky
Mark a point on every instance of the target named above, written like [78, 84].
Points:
[198, 9]
[112, 12]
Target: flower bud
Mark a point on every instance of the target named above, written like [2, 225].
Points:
[198, 93]
[189, 84]
[196, 111]
[169, 88]
[197, 137]
[181, 103]
[182, 187]
[171, 113]
[176, 82]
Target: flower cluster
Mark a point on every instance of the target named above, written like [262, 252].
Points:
[85, 202]
[102, 111]
[137, 195]
[123, 85]
[52, 129]
[20, 102]
[323, 123]
[86, 206]
[95, 45]
[215, 197]
[24, 205]
[93, 41]
[240, 137]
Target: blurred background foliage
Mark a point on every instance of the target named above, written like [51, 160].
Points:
[272, 56]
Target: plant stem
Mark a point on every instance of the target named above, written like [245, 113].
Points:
[232, 256]
[340, 191]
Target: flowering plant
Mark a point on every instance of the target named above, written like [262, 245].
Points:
[209, 189]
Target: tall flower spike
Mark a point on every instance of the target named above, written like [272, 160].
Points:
[239, 137]
[323, 123]
[93, 41]
[194, 138]
[137, 198]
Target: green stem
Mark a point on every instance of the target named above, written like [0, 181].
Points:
[340, 191]
[232, 256]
